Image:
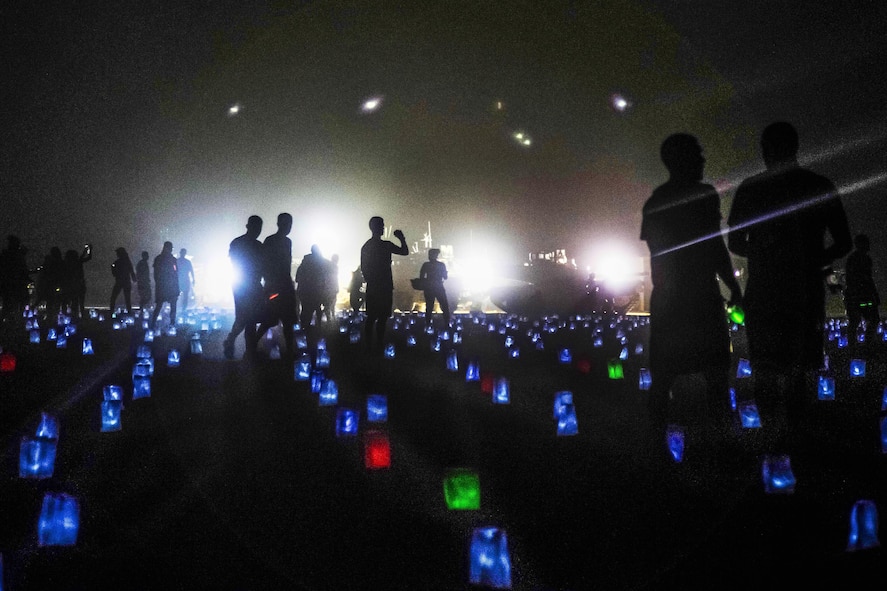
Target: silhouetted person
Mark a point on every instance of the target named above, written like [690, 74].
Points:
[331, 288]
[124, 275]
[166, 283]
[375, 263]
[75, 280]
[143, 280]
[14, 278]
[779, 221]
[186, 277]
[861, 298]
[310, 279]
[245, 253]
[689, 332]
[280, 291]
[355, 289]
[434, 272]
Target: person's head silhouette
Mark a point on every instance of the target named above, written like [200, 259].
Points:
[377, 225]
[254, 226]
[682, 156]
[433, 253]
[779, 144]
[284, 223]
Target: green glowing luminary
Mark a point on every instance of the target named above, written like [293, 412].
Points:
[736, 314]
[614, 369]
[462, 490]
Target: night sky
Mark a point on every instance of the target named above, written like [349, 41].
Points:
[118, 129]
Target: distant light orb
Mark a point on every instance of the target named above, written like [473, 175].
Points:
[500, 105]
[371, 104]
[522, 138]
[619, 103]
[234, 110]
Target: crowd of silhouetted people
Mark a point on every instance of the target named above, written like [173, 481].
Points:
[58, 285]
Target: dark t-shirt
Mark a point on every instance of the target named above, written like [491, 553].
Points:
[681, 225]
[779, 221]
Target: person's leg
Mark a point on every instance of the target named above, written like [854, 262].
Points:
[429, 307]
[172, 311]
[115, 291]
[127, 298]
[444, 306]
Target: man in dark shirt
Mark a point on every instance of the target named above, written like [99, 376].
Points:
[375, 262]
[166, 283]
[245, 253]
[779, 221]
[280, 291]
[688, 321]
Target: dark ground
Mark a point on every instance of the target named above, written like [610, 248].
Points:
[230, 475]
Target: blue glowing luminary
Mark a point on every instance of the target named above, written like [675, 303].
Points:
[645, 379]
[598, 342]
[329, 393]
[35, 337]
[472, 372]
[48, 427]
[142, 367]
[61, 342]
[111, 415]
[565, 356]
[749, 417]
[377, 408]
[732, 398]
[87, 346]
[149, 336]
[51, 334]
[389, 351]
[173, 359]
[567, 424]
[857, 368]
[489, 559]
[509, 341]
[196, 345]
[514, 353]
[318, 376]
[863, 526]
[434, 344]
[826, 388]
[743, 369]
[301, 341]
[452, 360]
[411, 340]
[323, 358]
[776, 472]
[884, 435]
[623, 355]
[59, 520]
[561, 399]
[674, 441]
[501, 391]
[346, 422]
[141, 387]
[354, 336]
[843, 341]
[302, 369]
[37, 457]
[112, 392]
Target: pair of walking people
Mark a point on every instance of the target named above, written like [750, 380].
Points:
[790, 225]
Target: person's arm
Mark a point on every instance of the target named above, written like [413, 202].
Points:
[423, 271]
[402, 249]
[839, 230]
[737, 235]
